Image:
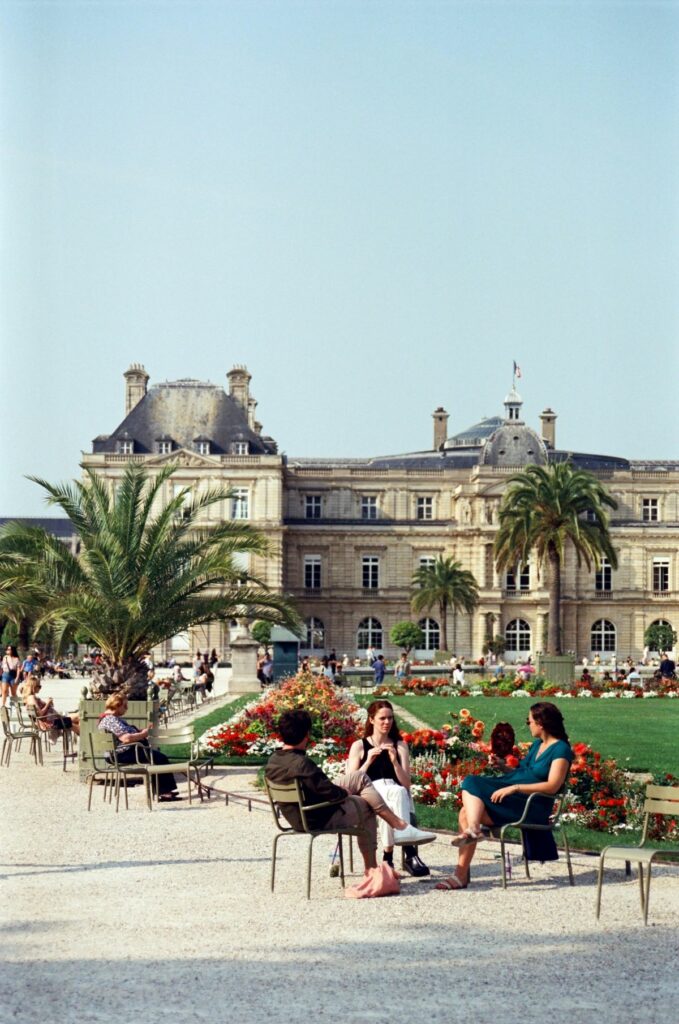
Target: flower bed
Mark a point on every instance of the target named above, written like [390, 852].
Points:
[534, 688]
[601, 796]
[252, 732]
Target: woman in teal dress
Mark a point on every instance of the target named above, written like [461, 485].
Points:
[497, 800]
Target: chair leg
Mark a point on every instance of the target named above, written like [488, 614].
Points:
[341, 857]
[599, 885]
[351, 854]
[503, 861]
[567, 851]
[273, 860]
[648, 892]
[89, 795]
[308, 875]
[641, 885]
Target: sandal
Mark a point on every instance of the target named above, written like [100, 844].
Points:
[452, 883]
[466, 839]
[166, 798]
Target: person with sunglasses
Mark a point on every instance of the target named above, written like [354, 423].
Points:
[488, 801]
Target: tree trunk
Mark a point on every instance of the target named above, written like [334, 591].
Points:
[443, 612]
[554, 586]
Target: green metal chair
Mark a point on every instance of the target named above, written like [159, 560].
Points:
[105, 766]
[175, 736]
[15, 735]
[663, 800]
[66, 735]
[553, 824]
[291, 793]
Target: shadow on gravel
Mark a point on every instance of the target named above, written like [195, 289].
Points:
[60, 869]
[421, 972]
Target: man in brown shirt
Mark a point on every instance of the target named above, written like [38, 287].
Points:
[360, 801]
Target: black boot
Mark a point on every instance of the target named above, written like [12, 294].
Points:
[412, 863]
[388, 856]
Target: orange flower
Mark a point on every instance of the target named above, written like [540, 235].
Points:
[465, 713]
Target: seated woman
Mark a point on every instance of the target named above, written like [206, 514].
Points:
[48, 718]
[133, 746]
[492, 800]
[383, 756]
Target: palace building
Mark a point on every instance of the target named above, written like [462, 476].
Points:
[346, 535]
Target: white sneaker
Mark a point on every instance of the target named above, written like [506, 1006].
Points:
[411, 836]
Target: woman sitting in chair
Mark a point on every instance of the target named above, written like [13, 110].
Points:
[48, 718]
[489, 801]
[383, 755]
[132, 745]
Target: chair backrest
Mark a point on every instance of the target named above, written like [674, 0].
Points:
[4, 719]
[662, 800]
[173, 736]
[101, 744]
[284, 793]
[22, 715]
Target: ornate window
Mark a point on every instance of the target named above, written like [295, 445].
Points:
[312, 572]
[370, 572]
[368, 506]
[315, 634]
[369, 633]
[432, 634]
[661, 575]
[603, 577]
[517, 635]
[425, 508]
[650, 513]
[240, 503]
[603, 636]
[312, 506]
[518, 580]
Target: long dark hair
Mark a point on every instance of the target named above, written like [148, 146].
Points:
[377, 705]
[550, 718]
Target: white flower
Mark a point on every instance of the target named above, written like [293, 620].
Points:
[649, 693]
[520, 693]
[585, 693]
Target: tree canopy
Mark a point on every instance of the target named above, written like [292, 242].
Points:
[444, 584]
[147, 569]
[546, 511]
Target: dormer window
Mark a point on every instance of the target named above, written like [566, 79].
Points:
[202, 447]
[164, 444]
[240, 448]
[125, 447]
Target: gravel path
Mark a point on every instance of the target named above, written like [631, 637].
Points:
[168, 916]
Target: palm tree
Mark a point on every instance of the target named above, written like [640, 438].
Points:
[547, 509]
[145, 570]
[444, 584]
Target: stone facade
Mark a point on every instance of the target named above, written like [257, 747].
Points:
[347, 535]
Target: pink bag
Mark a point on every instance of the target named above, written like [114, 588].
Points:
[379, 881]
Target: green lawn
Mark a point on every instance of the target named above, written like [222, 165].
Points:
[640, 734]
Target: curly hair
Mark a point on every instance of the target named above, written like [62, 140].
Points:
[116, 702]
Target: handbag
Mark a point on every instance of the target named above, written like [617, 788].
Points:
[379, 881]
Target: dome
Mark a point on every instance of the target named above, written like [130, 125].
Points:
[513, 444]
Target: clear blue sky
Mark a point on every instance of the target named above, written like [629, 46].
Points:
[375, 206]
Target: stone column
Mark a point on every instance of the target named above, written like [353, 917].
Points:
[244, 663]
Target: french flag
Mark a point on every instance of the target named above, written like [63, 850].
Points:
[517, 369]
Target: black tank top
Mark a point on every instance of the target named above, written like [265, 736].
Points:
[381, 767]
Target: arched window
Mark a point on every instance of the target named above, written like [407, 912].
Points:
[315, 634]
[517, 635]
[432, 634]
[369, 633]
[661, 622]
[602, 636]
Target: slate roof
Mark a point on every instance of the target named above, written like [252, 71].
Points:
[62, 528]
[186, 411]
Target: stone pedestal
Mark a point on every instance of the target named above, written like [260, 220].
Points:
[557, 668]
[244, 665]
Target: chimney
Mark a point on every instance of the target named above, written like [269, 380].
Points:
[548, 427]
[136, 380]
[440, 428]
[239, 386]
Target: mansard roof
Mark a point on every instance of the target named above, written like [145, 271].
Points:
[185, 410]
